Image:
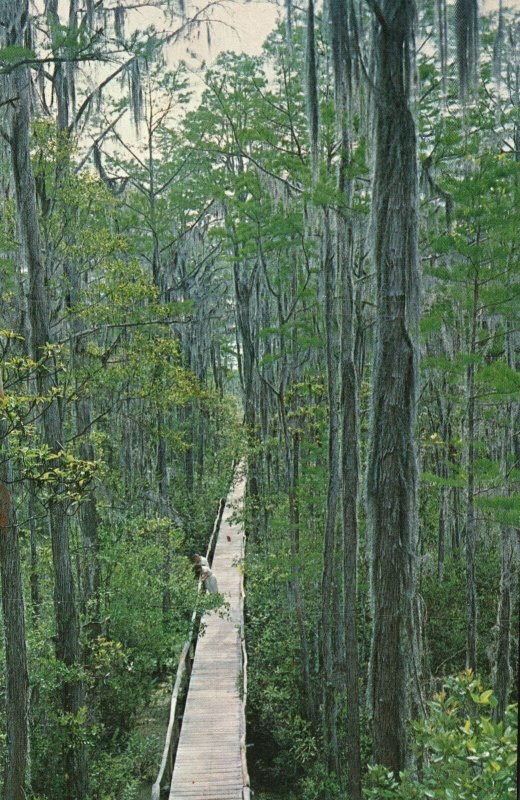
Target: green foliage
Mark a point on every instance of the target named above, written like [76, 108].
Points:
[463, 754]
[14, 53]
[283, 744]
[141, 258]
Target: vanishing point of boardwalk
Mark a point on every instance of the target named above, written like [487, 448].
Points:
[210, 759]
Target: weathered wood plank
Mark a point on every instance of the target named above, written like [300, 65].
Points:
[209, 761]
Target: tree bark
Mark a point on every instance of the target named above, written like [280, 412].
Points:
[330, 581]
[34, 575]
[294, 524]
[342, 21]
[392, 465]
[14, 17]
[471, 525]
[502, 681]
[88, 512]
[509, 559]
[350, 484]
[243, 290]
[13, 612]
[466, 30]
[89, 519]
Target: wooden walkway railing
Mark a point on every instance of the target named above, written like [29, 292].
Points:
[210, 759]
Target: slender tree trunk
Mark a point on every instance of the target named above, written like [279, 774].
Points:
[442, 38]
[89, 521]
[508, 580]
[455, 546]
[311, 90]
[88, 512]
[32, 501]
[443, 531]
[189, 467]
[162, 467]
[342, 23]
[243, 290]
[350, 483]
[471, 524]
[509, 560]
[292, 461]
[14, 17]
[88, 572]
[294, 524]
[330, 576]
[165, 511]
[127, 445]
[441, 537]
[34, 574]
[392, 465]
[13, 613]
[466, 30]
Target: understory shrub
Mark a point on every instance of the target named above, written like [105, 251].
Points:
[462, 753]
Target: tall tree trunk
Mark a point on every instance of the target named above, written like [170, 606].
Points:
[342, 53]
[509, 559]
[311, 90]
[14, 17]
[471, 524]
[291, 447]
[293, 460]
[442, 43]
[32, 501]
[331, 568]
[89, 518]
[466, 30]
[165, 511]
[89, 521]
[243, 290]
[34, 575]
[441, 533]
[508, 580]
[88, 512]
[392, 465]
[13, 613]
[350, 483]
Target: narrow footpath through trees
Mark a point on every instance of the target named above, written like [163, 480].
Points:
[210, 759]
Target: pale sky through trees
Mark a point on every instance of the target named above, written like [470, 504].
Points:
[236, 25]
[239, 25]
[244, 26]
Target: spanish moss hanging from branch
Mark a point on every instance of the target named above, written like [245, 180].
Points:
[119, 22]
[311, 90]
[498, 45]
[90, 13]
[466, 28]
[442, 37]
[289, 21]
[345, 49]
[135, 91]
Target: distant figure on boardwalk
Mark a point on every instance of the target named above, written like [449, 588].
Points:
[209, 580]
[200, 560]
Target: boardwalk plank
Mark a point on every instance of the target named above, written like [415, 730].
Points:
[208, 761]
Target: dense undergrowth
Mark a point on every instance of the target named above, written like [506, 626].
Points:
[137, 652]
[460, 751]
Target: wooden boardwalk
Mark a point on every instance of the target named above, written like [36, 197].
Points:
[210, 759]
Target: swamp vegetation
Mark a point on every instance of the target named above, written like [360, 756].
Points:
[315, 266]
